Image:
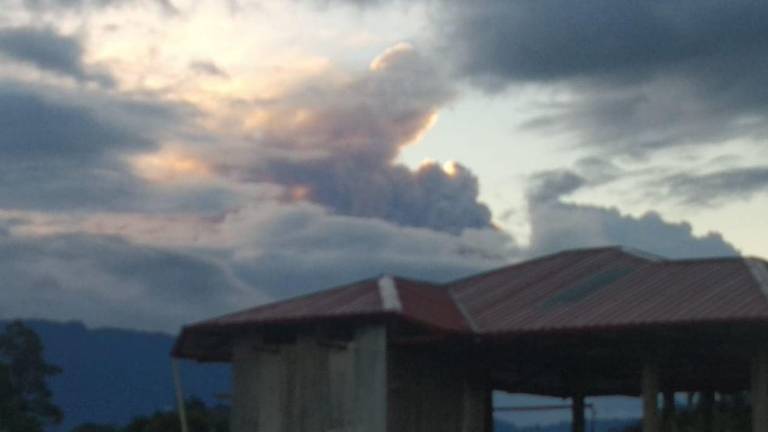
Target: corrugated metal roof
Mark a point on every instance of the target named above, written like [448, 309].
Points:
[610, 288]
[412, 300]
[571, 290]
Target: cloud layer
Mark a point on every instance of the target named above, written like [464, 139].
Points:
[152, 202]
[557, 224]
[639, 76]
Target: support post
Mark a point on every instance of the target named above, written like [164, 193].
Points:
[708, 410]
[578, 423]
[669, 411]
[488, 409]
[650, 383]
[760, 392]
[370, 392]
[179, 395]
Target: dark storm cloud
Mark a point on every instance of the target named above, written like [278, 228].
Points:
[340, 141]
[46, 131]
[48, 50]
[68, 151]
[549, 40]
[715, 187]
[55, 154]
[557, 225]
[644, 75]
[109, 281]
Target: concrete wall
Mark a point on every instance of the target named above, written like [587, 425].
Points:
[311, 386]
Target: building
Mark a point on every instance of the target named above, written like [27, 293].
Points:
[393, 354]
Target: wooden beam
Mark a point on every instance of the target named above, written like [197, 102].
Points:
[760, 391]
[650, 384]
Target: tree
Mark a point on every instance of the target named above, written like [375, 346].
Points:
[200, 417]
[25, 400]
[95, 427]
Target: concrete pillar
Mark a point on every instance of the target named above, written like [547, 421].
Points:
[760, 392]
[370, 404]
[578, 423]
[650, 383]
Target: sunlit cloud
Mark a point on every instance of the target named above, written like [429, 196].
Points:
[451, 168]
[383, 60]
[170, 166]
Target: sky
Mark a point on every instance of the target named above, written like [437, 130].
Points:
[165, 161]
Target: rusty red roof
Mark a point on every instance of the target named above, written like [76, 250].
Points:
[611, 287]
[416, 301]
[573, 290]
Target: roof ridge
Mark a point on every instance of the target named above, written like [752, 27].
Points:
[536, 259]
[639, 253]
[389, 295]
[462, 310]
[318, 293]
[505, 267]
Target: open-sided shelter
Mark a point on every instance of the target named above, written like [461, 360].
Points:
[391, 354]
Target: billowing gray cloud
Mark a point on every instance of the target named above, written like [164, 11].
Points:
[641, 75]
[48, 50]
[556, 225]
[335, 143]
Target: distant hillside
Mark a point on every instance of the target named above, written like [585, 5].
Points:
[609, 425]
[112, 375]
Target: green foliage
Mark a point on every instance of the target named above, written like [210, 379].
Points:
[25, 400]
[94, 427]
[199, 417]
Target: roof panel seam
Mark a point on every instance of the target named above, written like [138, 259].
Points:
[760, 273]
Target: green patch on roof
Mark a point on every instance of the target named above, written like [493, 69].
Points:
[585, 288]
